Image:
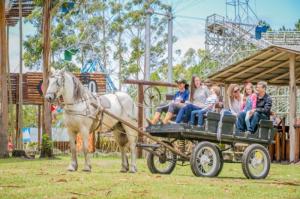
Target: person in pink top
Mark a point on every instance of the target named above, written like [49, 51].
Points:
[250, 103]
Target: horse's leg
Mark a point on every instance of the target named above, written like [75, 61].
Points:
[132, 139]
[121, 139]
[72, 139]
[85, 147]
[125, 165]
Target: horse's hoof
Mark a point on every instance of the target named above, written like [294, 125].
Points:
[133, 170]
[72, 168]
[87, 168]
[124, 170]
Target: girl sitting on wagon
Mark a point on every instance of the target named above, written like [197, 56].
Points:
[209, 106]
[250, 103]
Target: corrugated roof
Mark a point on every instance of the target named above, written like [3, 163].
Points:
[270, 64]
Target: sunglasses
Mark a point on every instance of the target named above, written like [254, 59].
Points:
[236, 91]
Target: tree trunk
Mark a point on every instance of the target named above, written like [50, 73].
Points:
[3, 85]
[46, 152]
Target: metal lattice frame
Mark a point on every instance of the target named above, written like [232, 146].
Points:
[228, 42]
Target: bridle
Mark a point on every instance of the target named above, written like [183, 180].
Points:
[60, 83]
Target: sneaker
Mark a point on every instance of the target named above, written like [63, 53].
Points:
[247, 133]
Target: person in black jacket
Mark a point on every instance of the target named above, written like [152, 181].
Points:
[262, 110]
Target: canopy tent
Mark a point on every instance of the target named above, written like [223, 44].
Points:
[277, 65]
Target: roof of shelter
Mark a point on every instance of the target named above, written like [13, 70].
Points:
[270, 64]
[12, 10]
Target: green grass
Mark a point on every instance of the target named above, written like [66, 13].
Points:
[49, 179]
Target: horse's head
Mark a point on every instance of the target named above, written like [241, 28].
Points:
[56, 86]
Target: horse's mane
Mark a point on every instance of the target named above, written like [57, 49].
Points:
[79, 89]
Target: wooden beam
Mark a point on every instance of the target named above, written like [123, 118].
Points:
[268, 71]
[238, 65]
[140, 117]
[20, 121]
[293, 106]
[3, 85]
[283, 75]
[149, 83]
[255, 65]
[46, 67]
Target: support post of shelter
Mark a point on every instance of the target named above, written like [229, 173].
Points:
[3, 85]
[293, 108]
[140, 117]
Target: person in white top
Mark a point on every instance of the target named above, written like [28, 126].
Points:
[209, 106]
[235, 100]
[199, 92]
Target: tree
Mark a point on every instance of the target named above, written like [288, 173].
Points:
[297, 25]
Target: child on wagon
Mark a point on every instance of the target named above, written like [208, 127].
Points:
[209, 106]
[250, 103]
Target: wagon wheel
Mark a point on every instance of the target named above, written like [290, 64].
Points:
[256, 162]
[152, 96]
[206, 160]
[163, 164]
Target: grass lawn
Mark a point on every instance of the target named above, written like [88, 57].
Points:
[49, 179]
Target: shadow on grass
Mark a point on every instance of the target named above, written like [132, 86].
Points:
[21, 159]
[263, 181]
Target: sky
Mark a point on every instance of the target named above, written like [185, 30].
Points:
[189, 22]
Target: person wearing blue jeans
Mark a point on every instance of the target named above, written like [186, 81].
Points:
[209, 106]
[184, 113]
[200, 94]
[262, 110]
[200, 114]
[256, 117]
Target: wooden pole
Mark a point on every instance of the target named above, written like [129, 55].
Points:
[39, 126]
[17, 126]
[10, 99]
[277, 147]
[46, 68]
[293, 107]
[3, 85]
[283, 135]
[20, 120]
[140, 117]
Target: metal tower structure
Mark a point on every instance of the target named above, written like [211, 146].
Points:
[231, 38]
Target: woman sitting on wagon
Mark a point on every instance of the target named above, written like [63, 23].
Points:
[235, 100]
[200, 94]
[179, 99]
[209, 106]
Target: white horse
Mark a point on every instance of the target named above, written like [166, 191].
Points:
[82, 114]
